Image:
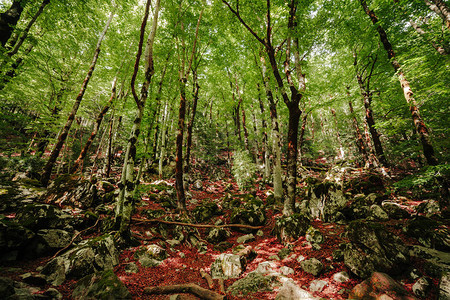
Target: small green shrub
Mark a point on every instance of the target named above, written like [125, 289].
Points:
[244, 169]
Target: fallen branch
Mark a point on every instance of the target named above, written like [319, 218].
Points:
[208, 278]
[196, 225]
[185, 288]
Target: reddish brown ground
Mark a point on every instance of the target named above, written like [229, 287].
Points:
[178, 270]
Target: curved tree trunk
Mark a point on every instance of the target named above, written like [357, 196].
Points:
[441, 9]
[65, 131]
[419, 124]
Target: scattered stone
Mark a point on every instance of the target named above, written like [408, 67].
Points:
[312, 266]
[260, 233]
[444, 287]
[156, 252]
[34, 279]
[338, 255]
[286, 271]
[377, 213]
[436, 262]
[245, 239]
[429, 207]
[205, 212]
[421, 287]
[53, 293]
[290, 228]
[317, 285]
[131, 268]
[49, 240]
[316, 247]
[283, 253]
[301, 258]
[429, 233]
[198, 185]
[325, 200]
[314, 236]
[217, 235]
[100, 285]
[36, 216]
[291, 291]
[223, 246]
[274, 257]
[250, 214]
[13, 238]
[372, 248]
[173, 243]
[378, 286]
[394, 210]
[89, 256]
[253, 282]
[266, 267]
[341, 277]
[227, 266]
[6, 287]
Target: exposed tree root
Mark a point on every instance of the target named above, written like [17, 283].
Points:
[185, 288]
[195, 225]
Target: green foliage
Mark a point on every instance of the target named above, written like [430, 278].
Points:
[30, 165]
[427, 181]
[244, 169]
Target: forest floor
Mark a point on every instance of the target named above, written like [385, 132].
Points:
[185, 262]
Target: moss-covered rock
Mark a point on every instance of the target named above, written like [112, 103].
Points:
[36, 216]
[291, 228]
[13, 239]
[87, 257]
[252, 283]
[251, 213]
[205, 212]
[429, 232]
[217, 235]
[103, 285]
[372, 248]
[325, 199]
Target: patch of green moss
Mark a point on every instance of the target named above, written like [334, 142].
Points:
[252, 283]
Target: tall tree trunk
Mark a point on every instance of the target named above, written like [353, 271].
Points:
[276, 140]
[163, 140]
[338, 135]
[9, 19]
[419, 124]
[125, 201]
[78, 162]
[184, 73]
[244, 126]
[441, 50]
[65, 131]
[190, 126]
[441, 9]
[25, 32]
[358, 135]
[302, 134]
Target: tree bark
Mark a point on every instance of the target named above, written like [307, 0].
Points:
[184, 73]
[441, 9]
[65, 131]
[441, 50]
[419, 124]
[338, 135]
[9, 19]
[25, 32]
[358, 135]
[98, 122]
[125, 201]
[190, 126]
[302, 134]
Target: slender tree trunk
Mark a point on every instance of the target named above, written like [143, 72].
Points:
[441, 50]
[358, 135]
[184, 73]
[9, 19]
[256, 147]
[441, 9]
[125, 202]
[163, 140]
[65, 131]
[244, 126]
[97, 124]
[25, 32]
[302, 134]
[191, 124]
[338, 135]
[419, 124]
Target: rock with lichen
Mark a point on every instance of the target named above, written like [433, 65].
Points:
[100, 285]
